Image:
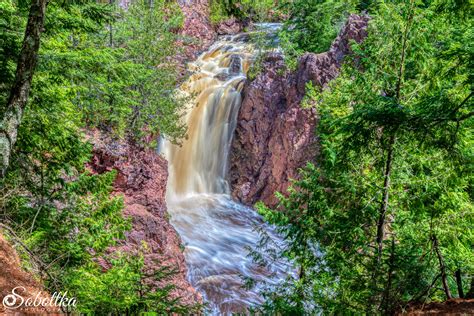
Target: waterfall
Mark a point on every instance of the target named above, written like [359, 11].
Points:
[217, 231]
[200, 165]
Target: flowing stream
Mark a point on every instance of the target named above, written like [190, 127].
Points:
[217, 231]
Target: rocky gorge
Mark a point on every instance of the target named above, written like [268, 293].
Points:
[221, 157]
[274, 137]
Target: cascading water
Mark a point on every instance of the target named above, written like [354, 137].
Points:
[217, 231]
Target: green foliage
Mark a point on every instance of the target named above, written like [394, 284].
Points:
[149, 74]
[10, 43]
[218, 11]
[122, 74]
[261, 10]
[256, 10]
[99, 67]
[263, 43]
[312, 25]
[127, 287]
[396, 161]
[115, 64]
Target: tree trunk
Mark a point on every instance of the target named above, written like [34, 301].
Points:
[111, 38]
[388, 165]
[386, 303]
[20, 90]
[442, 268]
[459, 283]
[384, 204]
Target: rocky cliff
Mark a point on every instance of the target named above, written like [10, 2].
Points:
[197, 31]
[141, 179]
[275, 136]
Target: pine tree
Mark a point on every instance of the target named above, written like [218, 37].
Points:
[384, 218]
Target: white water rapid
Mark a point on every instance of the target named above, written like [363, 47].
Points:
[217, 231]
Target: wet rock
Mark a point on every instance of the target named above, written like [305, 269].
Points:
[274, 57]
[223, 76]
[230, 26]
[242, 37]
[235, 66]
[275, 136]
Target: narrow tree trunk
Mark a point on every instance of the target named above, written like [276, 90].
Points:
[442, 268]
[111, 45]
[459, 283]
[376, 301]
[21, 87]
[111, 38]
[385, 199]
[301, 285]
[385, 305]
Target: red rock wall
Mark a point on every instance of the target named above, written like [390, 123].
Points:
[274, 136]
[141, 180]
[198, 33]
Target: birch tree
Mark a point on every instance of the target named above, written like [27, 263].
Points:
[13, 111]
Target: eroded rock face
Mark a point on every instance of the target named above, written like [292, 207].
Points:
[230, 26]
[275, 136]
[141, 180]
[197, 31]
